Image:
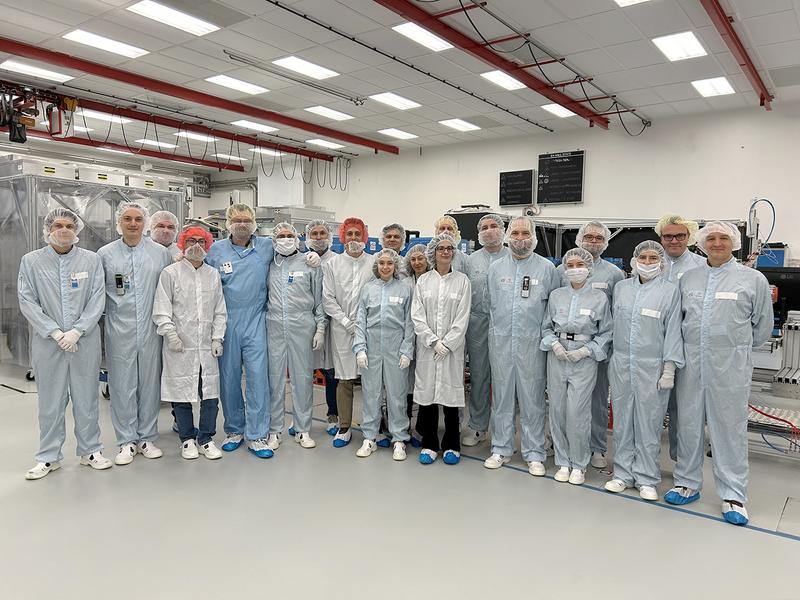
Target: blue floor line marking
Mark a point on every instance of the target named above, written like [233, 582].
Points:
[658, 504]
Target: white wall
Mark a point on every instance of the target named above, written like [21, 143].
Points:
[708, 166]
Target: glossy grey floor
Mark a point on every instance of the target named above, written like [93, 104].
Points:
[323, 523]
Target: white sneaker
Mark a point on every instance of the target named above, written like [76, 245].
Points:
[304, 439]
[96, 460]
[189, 450]
[599, 460]
[536, 468]
[616, 486]
[562, 475]
[399, 451]
[210, 451]
[150, 450]
[495, 461]
[274, 441]
[473, 438]
[41, 469]
[367, 448]
[125, 454]
[577, 477]
[648, 492]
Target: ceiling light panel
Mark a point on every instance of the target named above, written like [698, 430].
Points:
[173, 18]
[503, 80]
[254, 126]
[329, 113]
[309, 69]
[101, 116]
[195, 136]
[325, 144]
[25, 69]
[267, 151]
[680, 46]
[459, 125]
[155, 143]
[624, 3]
[229, 157]
[395, 101]
[422, 36]
[103, 43]
[558, 110]
[716, 86]
[397, 133]
[237, 84]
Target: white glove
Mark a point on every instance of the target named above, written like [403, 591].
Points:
[361, 360]
[174, 343]
[57, 335]
[349, 326]
[667, 380]
[404, 362]
[559, 351]
[313, 259]
[318, 341]
[579, 354]
[69, 341]
[216, 348]
[441, 351]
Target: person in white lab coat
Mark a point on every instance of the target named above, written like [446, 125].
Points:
[189, 313]
[342, 279]
[440, 311]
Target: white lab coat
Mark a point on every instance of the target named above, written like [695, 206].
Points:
[323, 358]
[342, 279]
[440, 311]
[189, 301]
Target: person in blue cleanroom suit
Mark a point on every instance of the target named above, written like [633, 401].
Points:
[243, 261]
[648, 347]
[296, 326]
[132, 267]
[576, 331]
[384, 346]
[593, 237]
[490, 234]
[677, 234]
[62, 294]
[519, 285]
[727, 311]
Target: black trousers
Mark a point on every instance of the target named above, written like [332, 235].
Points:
[428, 428]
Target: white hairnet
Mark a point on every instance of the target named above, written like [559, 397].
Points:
[163, 215]
[238, 209]
[719, 227]
[283, 225]
[60, 213]
[415, 249]
[391, 254]
[593, 225]
[691, 226]
[318, 223]
[584, 255]
[531, 225]
[492, 217]
[124, 207]
[453, 223]
[430, 250]
[648, 245]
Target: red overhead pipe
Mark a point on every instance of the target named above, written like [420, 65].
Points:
[723, 24]
[126, 150]
[459, 9]
[176, 91]
[424, 19]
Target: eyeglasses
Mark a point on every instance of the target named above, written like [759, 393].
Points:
[593, 238]
[443, 249]
[677, 237]
[194, 241]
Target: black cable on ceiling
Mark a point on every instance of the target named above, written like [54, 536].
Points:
[486, 42]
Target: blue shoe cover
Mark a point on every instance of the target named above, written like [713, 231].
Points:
[451, 457]
[292, 431]
[332, 429]
[426, 459]
[416, 443]
[736, 515]
[340, 443]
[674, 496]
[384, 442]
[231, 446]
[266, 453]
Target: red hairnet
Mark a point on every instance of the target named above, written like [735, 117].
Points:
[195, 232]
[352, 222]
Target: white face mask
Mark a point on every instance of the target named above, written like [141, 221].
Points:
[490, 237]
[648, 272]
[286, 246]
[318, 246]
[242, 231]
[577, 275]
[521, 247]
[355, 247]
[196, 253]
[63, 238]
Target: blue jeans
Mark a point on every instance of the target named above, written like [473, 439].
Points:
[330, 391]
[208, 420]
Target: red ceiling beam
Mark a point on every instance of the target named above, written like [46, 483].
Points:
[143, 152]
[424, 19]
[539, 63]
[506, 38]
[176, 91]
[459, 9]
[723, 24]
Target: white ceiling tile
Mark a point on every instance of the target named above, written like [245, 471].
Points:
[608, 28]
[89, 7]
[728, 102]
[393, 43]
[620, 81]
[379, 80]
[656, 74]
[564, 38]
[143, 67]
[171, 64]
[575, 9]
[125, 19]
[659, 111]
[445, 91]
[676, 91]
[641, 53]
[659, 18]
[685, 107]
[780, 55]
[773, 28]
[528, 14]
[636, 98]
[71, 16]
[259, 29]
[198, 59]
[34, 22]
[744, 9]
[331, 59]
[697, 68]
[85, 52]
[417, 94]
[710, 40]
[358, 52]
[339, 15]
[374, 11]
[137, 37]
[592, 62]
[728, 63]
[298, 25]
[405, 73]
[250, 7]
[22, 34]
[232, 40]
[696, 13]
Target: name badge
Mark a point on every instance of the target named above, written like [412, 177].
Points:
[600, 285]
[587, 313]
[646, 312]
[534, 282]
[227, 267]
[80, 275]
[505, 280]
[297, 273]
[726, 295]
[395, 300]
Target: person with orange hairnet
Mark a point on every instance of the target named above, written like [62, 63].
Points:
[189, 312]
[342, 279]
